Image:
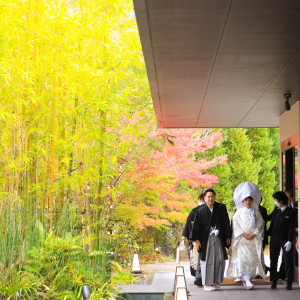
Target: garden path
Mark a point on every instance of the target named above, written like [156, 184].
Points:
[161, 279]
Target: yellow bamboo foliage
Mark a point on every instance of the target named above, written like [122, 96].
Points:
[74, 99]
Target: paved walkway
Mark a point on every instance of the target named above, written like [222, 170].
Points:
[163, 275]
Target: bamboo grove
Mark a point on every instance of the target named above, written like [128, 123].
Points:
[79, 148]
[73, 98]
[72, 92]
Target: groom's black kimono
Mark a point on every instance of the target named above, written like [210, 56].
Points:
[205, 219]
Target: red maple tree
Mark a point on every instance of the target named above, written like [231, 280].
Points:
[153, 198]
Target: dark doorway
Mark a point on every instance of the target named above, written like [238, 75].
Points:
[290, 171]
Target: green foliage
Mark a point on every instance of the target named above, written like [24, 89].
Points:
[54, 265]
[253, 155]
[274, 137]
[20, 285]
[120, 277]
[223, 187]
[124, 242]
[262, 147]
[57, 270]
[240, 158]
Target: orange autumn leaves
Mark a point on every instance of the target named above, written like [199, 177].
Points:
[155, 198]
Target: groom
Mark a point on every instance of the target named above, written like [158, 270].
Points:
[212, 234]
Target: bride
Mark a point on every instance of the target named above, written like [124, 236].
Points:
[246, 253]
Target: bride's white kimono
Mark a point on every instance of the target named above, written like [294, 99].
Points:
[246, 256]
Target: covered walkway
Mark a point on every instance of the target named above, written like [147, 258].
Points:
[228, 64]
[162, 276]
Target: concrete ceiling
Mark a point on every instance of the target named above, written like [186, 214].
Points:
[220, 63]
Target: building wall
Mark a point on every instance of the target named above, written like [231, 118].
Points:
[289, 127]
[289, 122]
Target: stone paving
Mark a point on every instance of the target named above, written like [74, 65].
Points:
[163, 275]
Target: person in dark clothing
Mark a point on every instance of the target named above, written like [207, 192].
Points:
[282, 236]
[187, 234]
[294, 205]
[281, 272]
[212, 234]
[264, 214]
[187, 231]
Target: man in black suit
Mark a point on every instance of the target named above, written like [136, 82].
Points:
[282, 237]
[294, 205]
[187, 234]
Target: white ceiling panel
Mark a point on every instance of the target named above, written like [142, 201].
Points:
[221, 63]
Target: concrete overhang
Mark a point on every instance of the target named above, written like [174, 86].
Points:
[220, 63]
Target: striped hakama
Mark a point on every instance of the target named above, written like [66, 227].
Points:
[213, 267]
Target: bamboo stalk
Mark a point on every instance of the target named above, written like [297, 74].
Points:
[52, 154]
